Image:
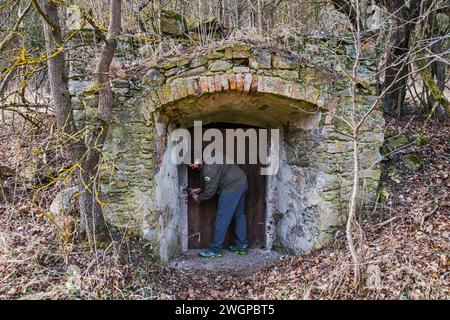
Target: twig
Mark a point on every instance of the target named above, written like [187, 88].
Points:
[426, 215]
[44, 15]
[381, 224]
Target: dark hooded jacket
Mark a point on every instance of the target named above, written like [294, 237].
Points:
[219, 178]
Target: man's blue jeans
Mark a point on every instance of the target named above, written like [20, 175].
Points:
[231, 204]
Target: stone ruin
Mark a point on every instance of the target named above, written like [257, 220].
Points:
[303, 94]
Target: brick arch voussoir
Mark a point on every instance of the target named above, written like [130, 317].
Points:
[242, 83]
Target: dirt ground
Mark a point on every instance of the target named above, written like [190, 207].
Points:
[255, 260]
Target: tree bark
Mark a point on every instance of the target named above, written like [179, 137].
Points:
[93, 225]
[397, 68]
[352, 226]
[434, 79]
[87, 155]
[351, 219]
[13, 33]
[90, 209]
[58, 79]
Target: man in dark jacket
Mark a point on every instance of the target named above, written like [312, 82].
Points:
[230, 183]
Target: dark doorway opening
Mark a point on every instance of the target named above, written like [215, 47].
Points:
[201, 217]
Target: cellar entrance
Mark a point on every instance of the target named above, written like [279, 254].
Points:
[201, 217]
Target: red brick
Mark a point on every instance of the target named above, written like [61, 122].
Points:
[190, 86]
[232, 80]
[247, 82]
[203, 84]
[225, 83]
[182, 90]
[239, 82]
[254, 87]
[174, 94]
[218, 82]
[196, 85]
[211, 84]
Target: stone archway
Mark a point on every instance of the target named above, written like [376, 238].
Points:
[247, 84]
[213, 111]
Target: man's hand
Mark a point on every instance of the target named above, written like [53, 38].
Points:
[196, 199]
[194, 194]
[196, 191]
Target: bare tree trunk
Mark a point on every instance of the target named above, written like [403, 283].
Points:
[351, 220]
[352, 224]
[87, 155]
[438, 104]
[260, 24]
[90, 209]
[397, 66]
[141, 8]
[397, 61]
[106, 102]
[13, 33]
[58, 79]
[93, 224]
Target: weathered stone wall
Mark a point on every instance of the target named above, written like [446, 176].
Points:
[315, 179]
[248, 84]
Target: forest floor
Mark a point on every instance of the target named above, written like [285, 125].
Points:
[230, 262]
[404, 248]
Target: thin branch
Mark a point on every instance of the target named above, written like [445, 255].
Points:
[16, 27]
[41, 12]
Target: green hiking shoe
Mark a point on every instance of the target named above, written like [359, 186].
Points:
[241, 250]
[210, 254]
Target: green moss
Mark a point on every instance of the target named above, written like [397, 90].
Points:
[421, 139]
[183, 62]
[383, 194]
[413, 162]
[394, 143]
[217, 54]
[170, 64]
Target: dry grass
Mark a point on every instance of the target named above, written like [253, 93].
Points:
[38, 260]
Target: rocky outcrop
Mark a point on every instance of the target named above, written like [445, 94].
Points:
[172, 23]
